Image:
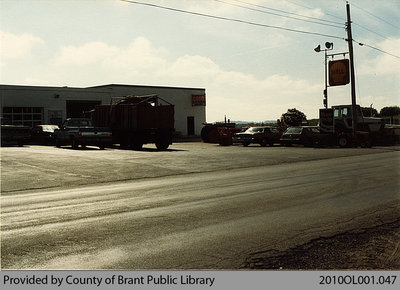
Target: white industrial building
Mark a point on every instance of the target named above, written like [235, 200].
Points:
[33, 105]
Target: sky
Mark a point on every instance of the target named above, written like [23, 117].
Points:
[252, 64]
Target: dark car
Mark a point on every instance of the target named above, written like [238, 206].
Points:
[306, 135]
[43, 134]
[258, 135]
[15, 134]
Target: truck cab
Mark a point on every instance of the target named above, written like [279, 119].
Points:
[343, 120]
[338, 121]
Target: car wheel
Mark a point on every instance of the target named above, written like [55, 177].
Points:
[245, 144]
[343, 141]
[308, 143]
[75, 144]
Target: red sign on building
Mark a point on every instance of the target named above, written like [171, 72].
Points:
[339, 72]
[199, 100]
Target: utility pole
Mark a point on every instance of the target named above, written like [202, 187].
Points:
[352, 77]
[326, 81]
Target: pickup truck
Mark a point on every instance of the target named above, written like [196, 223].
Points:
[80, 131]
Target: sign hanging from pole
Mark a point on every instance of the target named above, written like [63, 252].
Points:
[339, 73]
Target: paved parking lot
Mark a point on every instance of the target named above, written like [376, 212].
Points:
[33, 167]
[199, 206]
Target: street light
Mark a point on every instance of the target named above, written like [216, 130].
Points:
[328, 46]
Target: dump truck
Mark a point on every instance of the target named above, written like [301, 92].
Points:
[337, 122]
[138, 120]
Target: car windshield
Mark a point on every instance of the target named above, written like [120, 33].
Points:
[49, 128]
[86, 123]
[80, 123]
[255, 130]
[294, 130]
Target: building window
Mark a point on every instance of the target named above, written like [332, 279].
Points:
[27, 116]
[55, 117]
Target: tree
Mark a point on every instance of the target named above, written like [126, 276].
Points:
[390, 111]
[369, 112]
[293, 117]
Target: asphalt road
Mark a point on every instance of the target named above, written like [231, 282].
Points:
[196, 206]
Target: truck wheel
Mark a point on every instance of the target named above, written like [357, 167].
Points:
[124, 145]
[162, 145]
[343, 141]
[205, 131]
[75, 144]
[365, 144]
[137, 145]
[101, 147]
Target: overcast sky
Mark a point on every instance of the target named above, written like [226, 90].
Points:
[250, 72]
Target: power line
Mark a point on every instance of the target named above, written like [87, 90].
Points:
[367, 29]
[359, 25]
[231, 19]
[377, 17]
[252, 23]
[378, 49]
[314, 19]
[311, 8]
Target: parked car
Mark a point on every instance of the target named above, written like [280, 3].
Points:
[43, 134]
[80, 131]
[15, 135]
[258, 135]
[305, 135]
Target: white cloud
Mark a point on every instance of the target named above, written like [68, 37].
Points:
[249, 73]
[190, 70]
[138, 56]
[86, 54]
[384, 64]
[13, 46]
[239, 95]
